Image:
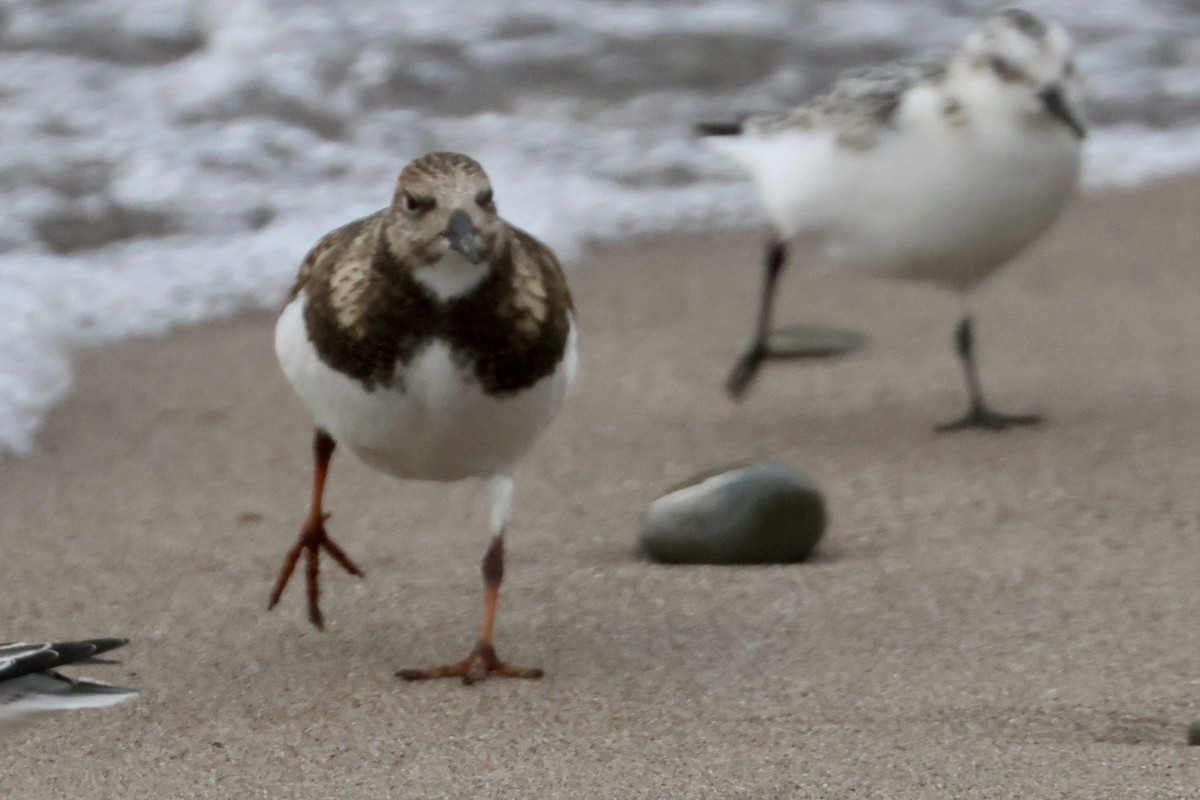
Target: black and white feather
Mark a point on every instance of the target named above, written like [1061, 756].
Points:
[860, 107]
[30, 684]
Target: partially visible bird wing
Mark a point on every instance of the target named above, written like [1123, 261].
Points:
[29, 685]
[19, 658]
[542, 267]
[327, 251]
[859, 106]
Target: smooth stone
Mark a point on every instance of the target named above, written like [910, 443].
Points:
[813, 341]
[1194, 733]
[760, 513]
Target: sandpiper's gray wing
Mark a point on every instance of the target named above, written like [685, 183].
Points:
[859, 106]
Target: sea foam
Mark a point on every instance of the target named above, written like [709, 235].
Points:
[169, 161]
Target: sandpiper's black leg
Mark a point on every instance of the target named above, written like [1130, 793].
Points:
[979, 415]
[748, 363]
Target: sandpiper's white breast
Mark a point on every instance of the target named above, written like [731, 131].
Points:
[437, 424]
[948, 204]
[931, 201]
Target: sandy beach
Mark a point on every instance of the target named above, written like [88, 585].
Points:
[989, 616]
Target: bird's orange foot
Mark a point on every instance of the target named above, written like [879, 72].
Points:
[482, 663]
[311, 540]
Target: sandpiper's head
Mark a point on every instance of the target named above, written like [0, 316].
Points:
[443, 204]
[1023, 64]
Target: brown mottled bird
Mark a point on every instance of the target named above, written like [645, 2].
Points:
[436, 342]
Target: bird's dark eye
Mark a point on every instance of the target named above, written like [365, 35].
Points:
[418, 203]
[484, 198]
[1005, 69]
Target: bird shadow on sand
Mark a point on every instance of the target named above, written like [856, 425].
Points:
[1072, 724]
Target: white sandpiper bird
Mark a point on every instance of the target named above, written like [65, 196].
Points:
[932, 170]
[436, 342]
[29, 685]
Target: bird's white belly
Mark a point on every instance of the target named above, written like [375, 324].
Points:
[935, 203]
[437, 425]
[953, 211]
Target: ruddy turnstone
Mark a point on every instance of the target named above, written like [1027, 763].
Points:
[436, 342]
[29, 685]
[934, 170]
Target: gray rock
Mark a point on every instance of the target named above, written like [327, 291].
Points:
[1194, 733]
[761, 513]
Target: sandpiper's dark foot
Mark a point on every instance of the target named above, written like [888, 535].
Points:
[987, 419]
[745, 370]
[482, 663]
[311, 541]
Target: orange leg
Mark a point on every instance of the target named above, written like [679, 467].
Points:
[313, 537]
[483, 661]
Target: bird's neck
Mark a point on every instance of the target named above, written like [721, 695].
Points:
[401, 266]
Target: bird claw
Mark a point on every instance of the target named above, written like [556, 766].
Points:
[313, 538]
[481, 664]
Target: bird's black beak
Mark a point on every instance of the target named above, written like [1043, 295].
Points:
[1056, 104]
[464, 238]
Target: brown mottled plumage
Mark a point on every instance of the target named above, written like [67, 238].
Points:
[367, 314]
[436, 342]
